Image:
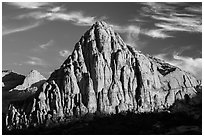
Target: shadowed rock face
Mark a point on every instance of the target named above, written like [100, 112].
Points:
[11, 79]
[104, 74]
[17, 87]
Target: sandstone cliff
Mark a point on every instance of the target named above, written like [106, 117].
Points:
[105, 75]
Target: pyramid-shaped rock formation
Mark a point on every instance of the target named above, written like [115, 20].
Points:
[32, 78]
[103, 74]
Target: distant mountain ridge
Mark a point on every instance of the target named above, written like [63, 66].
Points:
[33, 77]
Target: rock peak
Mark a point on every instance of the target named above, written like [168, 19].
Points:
[101, 23]
[101, 37]
[105, 75]
[33, 77]
[33, 71]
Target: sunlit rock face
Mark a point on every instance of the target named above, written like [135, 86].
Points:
[103, 74]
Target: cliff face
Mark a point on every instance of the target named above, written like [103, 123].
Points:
[108, 75]
[104, 74]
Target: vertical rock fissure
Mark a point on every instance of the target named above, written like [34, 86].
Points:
[139, 84]
[190, 81]
[184, 81]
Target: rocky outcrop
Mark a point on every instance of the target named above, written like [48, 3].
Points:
[11, 79]
[105, 75]
[33, 79]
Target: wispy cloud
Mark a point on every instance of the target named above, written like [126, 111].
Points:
[158, 8]
[56, 9]
[132, 33]
[132, 36]
[138, 20]
[29, 5]
[36, 61]
[195, 9]
[64, 53]
[76, 17]
[46, 45]
[58, 13]
[176, 23]
[156, 33]
[166, 18]
[170, 17]
[43, 47]
[35, 15]
[9, 30]
[189, 64]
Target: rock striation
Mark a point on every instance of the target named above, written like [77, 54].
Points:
[105, 75]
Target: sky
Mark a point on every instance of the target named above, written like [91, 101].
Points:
[41, 35]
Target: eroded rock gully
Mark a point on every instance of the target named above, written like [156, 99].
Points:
[103, 74]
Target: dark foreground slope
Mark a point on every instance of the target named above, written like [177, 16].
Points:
[186, 121]
[17, 87]
[10, 80]
[128, 123]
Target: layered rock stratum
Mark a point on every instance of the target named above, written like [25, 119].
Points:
[105, 75]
